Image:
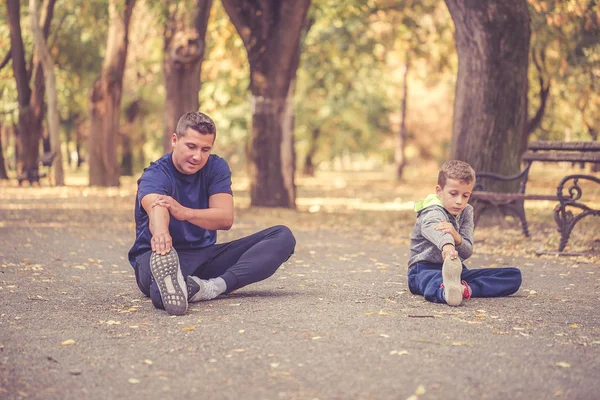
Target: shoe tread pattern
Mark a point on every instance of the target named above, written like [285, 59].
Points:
[162, 267]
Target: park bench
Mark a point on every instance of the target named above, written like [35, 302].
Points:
[34, 176]
[569, 190]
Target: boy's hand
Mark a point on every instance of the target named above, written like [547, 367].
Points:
[449, 251]
[447, 227]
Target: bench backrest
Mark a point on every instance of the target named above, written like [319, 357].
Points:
[554, 151]
[566, 146]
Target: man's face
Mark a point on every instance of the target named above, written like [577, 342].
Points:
[191, 151]
[455, 195]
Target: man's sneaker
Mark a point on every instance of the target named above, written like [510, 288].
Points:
[168, 277]
[453, 289]
[200, 289]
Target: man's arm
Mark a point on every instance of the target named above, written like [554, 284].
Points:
[218, 215]
[158, 222]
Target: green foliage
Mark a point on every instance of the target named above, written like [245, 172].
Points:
[350, 78]
[568, 34]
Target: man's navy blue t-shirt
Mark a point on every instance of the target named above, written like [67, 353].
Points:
[192, 191]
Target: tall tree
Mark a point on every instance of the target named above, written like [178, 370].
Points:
[3, 173]
[490, 106]
[52, 100]
[30, 101]
[270, 30]
[105, 100]
[185, 38]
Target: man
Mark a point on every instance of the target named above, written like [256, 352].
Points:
[183, 199]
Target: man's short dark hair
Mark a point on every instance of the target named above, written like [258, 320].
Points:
[458, 170]
[197, 121]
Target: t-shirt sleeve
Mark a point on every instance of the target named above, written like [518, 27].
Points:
[220, 181]
[153, 180]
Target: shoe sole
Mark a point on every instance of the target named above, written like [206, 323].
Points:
[453, 289]
[171, 285]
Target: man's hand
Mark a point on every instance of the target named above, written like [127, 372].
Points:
[161, 243]
[449, 251]
[447, 227]
[175, 209]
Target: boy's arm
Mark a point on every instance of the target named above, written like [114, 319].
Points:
[429, 220]
[465, 249]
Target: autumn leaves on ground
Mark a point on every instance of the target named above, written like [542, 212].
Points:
[336, 321]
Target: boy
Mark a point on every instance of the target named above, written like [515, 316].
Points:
[443, 237]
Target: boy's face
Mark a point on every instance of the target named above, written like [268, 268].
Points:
[454, 195]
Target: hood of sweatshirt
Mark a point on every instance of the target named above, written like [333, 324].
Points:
[430, 200]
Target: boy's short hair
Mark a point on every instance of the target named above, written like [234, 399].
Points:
[197, 121]
[455, 169]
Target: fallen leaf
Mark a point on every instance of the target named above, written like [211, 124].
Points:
[563, 364]
[133, 381]
[574, 326]
[68, 342]
[148, 362]
[188, 328]
[420, 390]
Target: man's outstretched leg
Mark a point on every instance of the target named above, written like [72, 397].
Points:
[233, 265]
[160, 278]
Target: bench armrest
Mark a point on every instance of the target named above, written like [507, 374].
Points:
[521, 176]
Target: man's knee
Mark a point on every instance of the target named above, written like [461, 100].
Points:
[286, 237]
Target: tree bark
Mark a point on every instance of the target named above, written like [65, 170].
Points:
[309, 165]
[183, 55]
[400, 156]
[271, 31]
[3, 173]
[490, 106]
[29, 126]
[105, 99]
[50, 80]
[28, 134]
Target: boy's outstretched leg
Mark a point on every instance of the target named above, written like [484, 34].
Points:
[493, 282]
[453, 288]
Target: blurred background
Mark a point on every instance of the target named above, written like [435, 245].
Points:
[374, 87]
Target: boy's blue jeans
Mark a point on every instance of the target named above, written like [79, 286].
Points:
[425, 279]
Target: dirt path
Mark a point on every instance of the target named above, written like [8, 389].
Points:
[336, 322]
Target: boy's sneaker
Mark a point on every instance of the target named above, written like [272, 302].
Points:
[200, 289]
[168, 277]
[453, 289]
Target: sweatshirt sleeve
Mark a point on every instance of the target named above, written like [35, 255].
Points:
[465, 250]
[430, 217]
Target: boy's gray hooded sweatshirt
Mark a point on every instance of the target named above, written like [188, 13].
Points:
[426, 243]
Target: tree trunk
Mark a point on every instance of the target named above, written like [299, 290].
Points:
[105, 100]
[270, 30]
[400, 156]
[490, 106]
[53, 116]
[309, 166]
[182, 64]
[3, 173]
[288, 148]
[28, 134]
